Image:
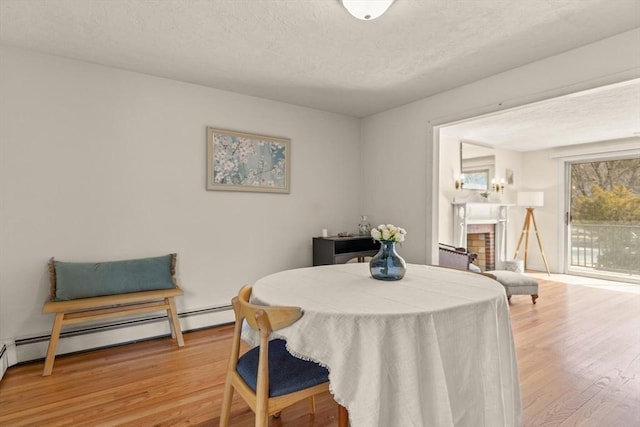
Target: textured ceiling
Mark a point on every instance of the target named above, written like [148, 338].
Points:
[313, 53]
[606, 113]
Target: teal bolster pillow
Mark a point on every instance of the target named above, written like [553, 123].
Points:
[88, 279]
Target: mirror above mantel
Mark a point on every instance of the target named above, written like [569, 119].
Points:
[477, 165]
[461, 155]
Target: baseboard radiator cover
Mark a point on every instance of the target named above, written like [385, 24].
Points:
[4, 360]
[118, 332]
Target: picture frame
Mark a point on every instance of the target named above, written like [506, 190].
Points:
[240, 161]
[508, 173]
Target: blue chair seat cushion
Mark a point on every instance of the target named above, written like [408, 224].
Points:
[287, 373]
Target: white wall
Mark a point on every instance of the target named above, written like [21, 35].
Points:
[449, 172]
[400, 158]
[102, 164]
[514, 160]
[541, 174]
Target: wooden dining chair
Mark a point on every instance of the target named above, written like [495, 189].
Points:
[268, 377]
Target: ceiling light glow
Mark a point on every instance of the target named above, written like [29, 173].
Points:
[366, 10]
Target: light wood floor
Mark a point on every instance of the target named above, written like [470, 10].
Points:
[578, 354]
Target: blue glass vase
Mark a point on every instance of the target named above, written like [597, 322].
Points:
[387, 264]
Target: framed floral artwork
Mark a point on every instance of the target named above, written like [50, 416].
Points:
[238, 161]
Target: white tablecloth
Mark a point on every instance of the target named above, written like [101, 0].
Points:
[434, 349]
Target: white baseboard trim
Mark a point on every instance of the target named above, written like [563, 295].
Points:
[117, 332]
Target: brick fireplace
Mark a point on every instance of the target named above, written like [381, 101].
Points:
[481, 229]
[481, 240]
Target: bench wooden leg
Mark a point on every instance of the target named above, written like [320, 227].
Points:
[53, 344]
[174, 322]
[172, 328]
[534, 297]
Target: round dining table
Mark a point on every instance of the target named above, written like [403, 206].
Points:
[433, 349]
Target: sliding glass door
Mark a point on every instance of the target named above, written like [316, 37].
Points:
[603, 218]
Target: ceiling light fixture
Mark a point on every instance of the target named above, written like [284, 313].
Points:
[366, 10]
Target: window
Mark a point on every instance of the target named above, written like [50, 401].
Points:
[604, 219]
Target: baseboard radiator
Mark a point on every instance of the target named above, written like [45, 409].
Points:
[4, 360]
[117, 332]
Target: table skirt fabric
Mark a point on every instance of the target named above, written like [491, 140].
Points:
[434, 349]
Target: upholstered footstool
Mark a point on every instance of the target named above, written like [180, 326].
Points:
[517, 283]
[516, 265]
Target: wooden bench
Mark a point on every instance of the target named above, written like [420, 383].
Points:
[72, 311]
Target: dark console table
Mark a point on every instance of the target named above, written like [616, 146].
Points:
[339, 250]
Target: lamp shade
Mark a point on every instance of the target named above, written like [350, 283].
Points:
[366, 9]
[531, 199]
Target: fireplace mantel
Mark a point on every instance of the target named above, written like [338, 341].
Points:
[467, 216]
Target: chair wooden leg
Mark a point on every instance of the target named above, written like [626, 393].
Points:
[312, 404]
[53, 344]
[534, 297]
[343, 416]
[262, 415]
[225, 412]
[262, 420]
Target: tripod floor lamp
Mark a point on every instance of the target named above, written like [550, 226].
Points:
[531, 200]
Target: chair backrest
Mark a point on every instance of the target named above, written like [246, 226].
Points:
[450, 256]
[264, 319]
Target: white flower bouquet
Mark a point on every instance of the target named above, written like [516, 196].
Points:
[388, 233]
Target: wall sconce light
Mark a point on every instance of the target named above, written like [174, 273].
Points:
[498, 188]
[460, 182]
[366, 10]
